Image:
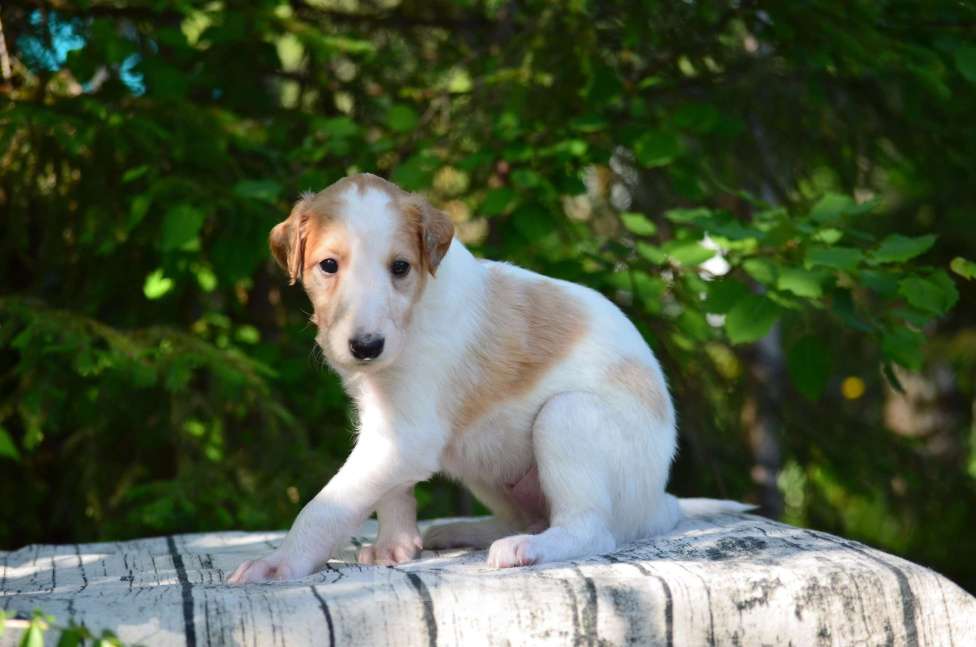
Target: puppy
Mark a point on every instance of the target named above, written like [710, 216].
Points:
[538, 394]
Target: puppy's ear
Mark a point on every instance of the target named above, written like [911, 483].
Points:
[436, 233]
[287, 240]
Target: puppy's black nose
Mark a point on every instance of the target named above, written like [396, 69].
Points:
[366, 347]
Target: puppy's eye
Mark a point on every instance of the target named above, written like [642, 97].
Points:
[329, 266]
[400, 268]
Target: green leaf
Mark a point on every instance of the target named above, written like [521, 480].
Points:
[699, 216]
[656, 148]
[401, 118]
[963, 267]
[652, 253]
[904, 346]
[751, 319]
[138, 209]
[589, 123]
[7, 446]
[134, 173]
[264, 190]
[838, 258]
[71, 637]
[34, 637]
[966, 62]
[723, 294]
[181, 225]
[828, 236]
[417, 172]
[831, 207]
[897, 248]
[809, 365]
[156, 285]
[761, 269]
[497, 201]
[803, 283]
[638, 223]
[688, 252]
[935, 293]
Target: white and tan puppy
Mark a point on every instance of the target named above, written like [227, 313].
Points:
[538, 394]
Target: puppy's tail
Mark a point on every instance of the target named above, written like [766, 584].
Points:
[675, 509]
[703, 507]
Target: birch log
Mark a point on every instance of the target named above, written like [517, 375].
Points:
[724, 580]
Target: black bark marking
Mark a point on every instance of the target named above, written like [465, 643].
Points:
[81, 570]
[130, 577]
[577, 636]
[908, 601]
[186, 589]
[428, 604]
[206, 616]
[271, 619]
[668, 602]
[588, 616]
[326, 613]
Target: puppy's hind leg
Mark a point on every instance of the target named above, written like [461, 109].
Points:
[576, 473]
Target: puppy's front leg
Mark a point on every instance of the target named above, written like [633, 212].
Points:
[374, 468]
[398, 539]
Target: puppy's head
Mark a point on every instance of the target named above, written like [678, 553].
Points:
[363, 249]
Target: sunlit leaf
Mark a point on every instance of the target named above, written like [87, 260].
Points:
[7, 446]
[963, 267]
[803, 283]
[638, 223]
[156, 285]
[898, 248]
[839, 258]
[688, 252]
[831, 207]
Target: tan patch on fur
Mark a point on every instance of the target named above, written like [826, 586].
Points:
[639, 380]
[529, 326]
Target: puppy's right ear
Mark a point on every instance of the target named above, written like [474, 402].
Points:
[287, 240]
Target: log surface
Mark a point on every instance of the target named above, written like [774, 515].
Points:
[722, 580]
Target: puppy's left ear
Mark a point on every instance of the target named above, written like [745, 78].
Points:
[287, 240]
[436, 234]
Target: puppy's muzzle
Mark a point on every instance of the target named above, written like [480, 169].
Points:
[366, 347]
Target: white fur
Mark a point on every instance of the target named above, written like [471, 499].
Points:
[603, 457]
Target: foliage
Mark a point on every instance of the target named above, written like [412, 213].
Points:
[72, 635]
[777, 196]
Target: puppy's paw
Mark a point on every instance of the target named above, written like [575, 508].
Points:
[273, 568]
[388, 551]
[517, 550]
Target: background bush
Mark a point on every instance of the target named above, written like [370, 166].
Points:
[779, 194]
